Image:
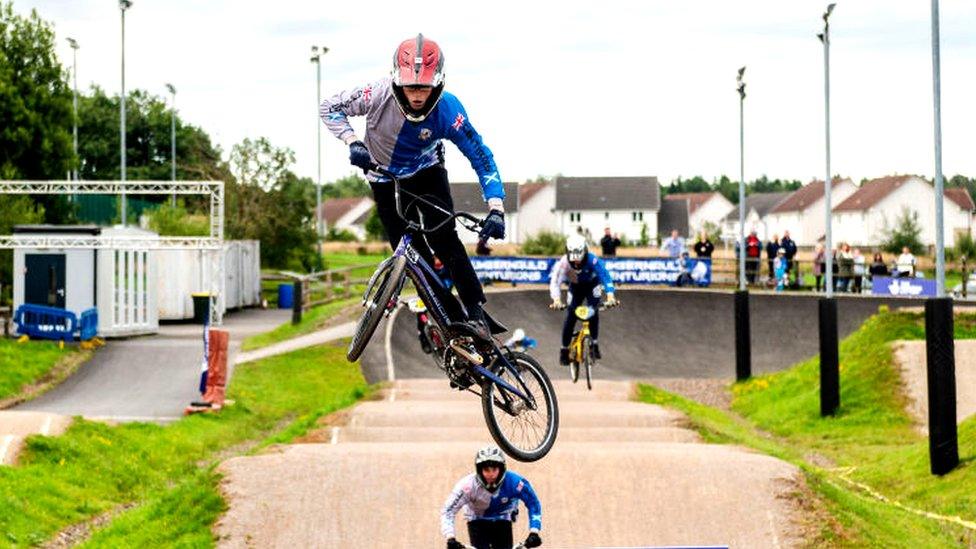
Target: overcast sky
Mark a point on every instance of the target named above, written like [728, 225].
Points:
[574, 87]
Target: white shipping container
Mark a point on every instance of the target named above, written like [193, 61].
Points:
[181, 273]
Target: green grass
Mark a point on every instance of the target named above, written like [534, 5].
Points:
[870, 440]
[168, 471]
[22, 364]
[312, 320]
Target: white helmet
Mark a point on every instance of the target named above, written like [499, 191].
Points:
[575, 248]
[489, 456]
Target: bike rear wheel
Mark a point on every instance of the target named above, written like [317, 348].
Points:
[588, 361]
[523, 433]
[376, 306]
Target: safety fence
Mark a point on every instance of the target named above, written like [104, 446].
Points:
[321, 287]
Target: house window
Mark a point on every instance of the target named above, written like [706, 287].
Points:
[606, 215]
[574, 217]
[637, 216]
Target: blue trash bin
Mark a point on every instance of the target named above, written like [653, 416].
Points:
[286, 296]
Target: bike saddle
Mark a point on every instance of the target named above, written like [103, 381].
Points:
[494, 326]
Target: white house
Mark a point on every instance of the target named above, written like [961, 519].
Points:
[468, 197]
[757, 207]
[702, 208]
[537, 209]
[862, 219]
[347, 214]
[802, 212]
[628, 205]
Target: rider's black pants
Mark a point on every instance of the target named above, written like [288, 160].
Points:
[433, 185]
[590, 292]
[490, 534]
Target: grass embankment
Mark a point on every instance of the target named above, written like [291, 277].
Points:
[314, 319]
[167, 473]
[869, 445]
[26, 369]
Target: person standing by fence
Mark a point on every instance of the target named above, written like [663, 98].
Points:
[819, 261]
[753, 253]
[789, 249]
[772, 247]
[704, 246]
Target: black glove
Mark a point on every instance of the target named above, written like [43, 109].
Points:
[359, 156]
[533, 540]
[494, 226]
[454, 544]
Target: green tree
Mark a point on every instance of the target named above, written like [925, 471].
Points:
[905, 232]
[346, 187]
[267, 202]
[544, 243]
[374, 227]
[35, 107]
[17, 210]
[35, 102]
[147, 141]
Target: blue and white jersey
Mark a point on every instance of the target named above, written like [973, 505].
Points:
[480, 504]
[592, 270]
[405, 147]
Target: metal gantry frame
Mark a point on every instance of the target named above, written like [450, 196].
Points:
[213, 243]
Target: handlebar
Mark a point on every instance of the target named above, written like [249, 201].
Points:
[602, 306]
[468, 221]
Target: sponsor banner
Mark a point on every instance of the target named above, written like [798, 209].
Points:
[528, 270]
[658, 270]
[903, 287]
[623, 270]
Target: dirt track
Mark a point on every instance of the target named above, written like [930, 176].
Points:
[621, 474]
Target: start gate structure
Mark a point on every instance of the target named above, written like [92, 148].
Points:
[211, 245]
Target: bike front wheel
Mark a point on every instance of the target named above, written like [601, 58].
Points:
[524, 432]
[376, 306]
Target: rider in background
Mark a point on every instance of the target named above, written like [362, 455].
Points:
[490, 498]
[407, 117]
[588, 278]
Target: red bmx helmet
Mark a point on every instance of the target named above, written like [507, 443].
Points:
[418, 62]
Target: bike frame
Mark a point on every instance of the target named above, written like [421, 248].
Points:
[578, 341]
[421, 273]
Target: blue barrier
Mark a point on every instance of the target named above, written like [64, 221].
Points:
[45, 322]
[89, 324]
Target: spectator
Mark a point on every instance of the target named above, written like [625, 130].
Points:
[704, 246]
[753, 253]
[781, 274]
[878, 267]
[905, 266]
[771, 248]
[673, 245]
[859, 270]
[845, 268]
[789, 247]
[819, 260]
[609, 243]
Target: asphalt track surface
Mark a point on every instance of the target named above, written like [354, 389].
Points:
[149, 378]
[654, 333]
